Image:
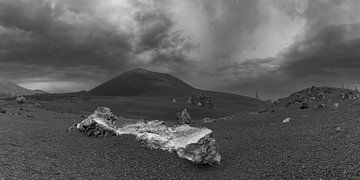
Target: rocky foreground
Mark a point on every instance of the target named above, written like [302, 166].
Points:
[276, 141]
[194, 144]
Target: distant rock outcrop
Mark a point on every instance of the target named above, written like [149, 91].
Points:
[315, 98]
[183, 117]
[20, 100]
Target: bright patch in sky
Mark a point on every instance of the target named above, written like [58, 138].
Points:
[55, 86]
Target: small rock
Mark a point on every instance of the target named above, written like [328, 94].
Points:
[304, 106]
[183, 117]
[320, 106]
[2, 111]
[286, 120]
[338, 129]
[20, 100]
[209, 120]
[104, 129]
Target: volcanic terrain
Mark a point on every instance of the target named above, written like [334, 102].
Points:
[320, 140]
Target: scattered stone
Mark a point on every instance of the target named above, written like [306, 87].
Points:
[338, 129]
[349, 95]
[286, 120]
[320, 106]
[71, 128]
[320, 96]
[21, 109]
[206, 119]
[29, 116]
[304, 106]
[189, 101]
[209, 120]
[3, 111]
[263, 111]
[336, 105]
[20, 100]
[183, 117]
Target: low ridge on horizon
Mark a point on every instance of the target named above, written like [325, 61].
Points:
[10, 89]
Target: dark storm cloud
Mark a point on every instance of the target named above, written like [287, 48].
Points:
[326, 53]
[327, 56]
[234, 45]
[331, 51]
[59, 39]
[50, 40]
[155, 27]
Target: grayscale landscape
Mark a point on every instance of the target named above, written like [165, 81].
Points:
[179, 89]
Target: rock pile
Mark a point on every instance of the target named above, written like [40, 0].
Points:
[350, 95]
[316, 98]
[183, 117]
[194, 144]
[101, 123]
[202, 100]
[20, 100]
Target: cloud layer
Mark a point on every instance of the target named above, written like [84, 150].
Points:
[241, 46]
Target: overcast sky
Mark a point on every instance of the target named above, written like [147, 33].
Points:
[271, 46]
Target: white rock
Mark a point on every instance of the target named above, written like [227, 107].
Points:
[192, 143]
[286, 120]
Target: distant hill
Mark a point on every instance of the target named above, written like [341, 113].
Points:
[141, 82]
[9, 89]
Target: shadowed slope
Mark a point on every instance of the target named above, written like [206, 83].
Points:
[142, 82]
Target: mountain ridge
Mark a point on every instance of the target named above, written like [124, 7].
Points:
[142, 82]
[9, 89]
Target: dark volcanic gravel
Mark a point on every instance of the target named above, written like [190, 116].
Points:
[321, 144]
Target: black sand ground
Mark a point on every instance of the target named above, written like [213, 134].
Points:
[322, 144]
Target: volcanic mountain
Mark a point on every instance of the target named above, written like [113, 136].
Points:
[141, 82]
[9, 89]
